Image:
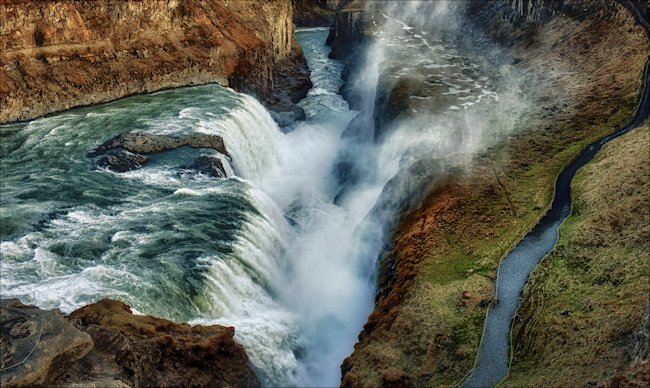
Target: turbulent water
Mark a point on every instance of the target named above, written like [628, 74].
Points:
[265, 250]
[279, 249]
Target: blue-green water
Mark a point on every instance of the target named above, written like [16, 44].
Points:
[187, 247]
[267, 250]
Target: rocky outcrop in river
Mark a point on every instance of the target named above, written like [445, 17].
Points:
[105, 344]
[55, 55]
[127, 151]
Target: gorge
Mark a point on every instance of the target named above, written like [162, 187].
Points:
[347, 215]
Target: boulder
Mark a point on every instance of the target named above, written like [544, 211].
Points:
[144, 143]
[148, 351]
[105, 345]
[122, 161]
[125, 152]
[37, 346]
[210, 166]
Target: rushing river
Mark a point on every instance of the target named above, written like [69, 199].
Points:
[279, 249]
[264, 250]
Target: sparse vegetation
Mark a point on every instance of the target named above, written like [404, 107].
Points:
[584, 301]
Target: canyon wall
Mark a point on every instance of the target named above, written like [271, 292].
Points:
[315, 13]
[580, 64]
[55, 55]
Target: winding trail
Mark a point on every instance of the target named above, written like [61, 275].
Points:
[493, 361]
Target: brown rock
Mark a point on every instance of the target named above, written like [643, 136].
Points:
[37, 346]
[144, 143]
[149, 351]
[55, 55]
[111, 347]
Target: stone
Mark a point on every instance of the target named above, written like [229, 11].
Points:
[147, 351]
[145, 143]
[210, 166]
[105, 345]
[125, 152]
[122, 161]
[37, 346]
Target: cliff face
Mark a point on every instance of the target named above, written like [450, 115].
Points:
[55, 55]
[105, 345]
[314, 13]
[346, 31]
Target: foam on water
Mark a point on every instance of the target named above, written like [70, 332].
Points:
[268, 250]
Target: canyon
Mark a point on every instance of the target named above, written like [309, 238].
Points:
[439, 270]
[515, 88]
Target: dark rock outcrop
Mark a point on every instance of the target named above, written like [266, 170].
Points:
[125, 152]
[37, 345]
[347, 31]
[314, 13]
[144, 143]
[112, 347]
[55, 55]
[122, 161]
[210, 166]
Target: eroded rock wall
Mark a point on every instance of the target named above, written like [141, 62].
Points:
[55, 55]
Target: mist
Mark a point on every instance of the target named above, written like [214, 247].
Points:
[329, 193]
[343, 182]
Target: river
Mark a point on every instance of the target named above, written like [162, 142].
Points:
[260, 250]
[274, 250]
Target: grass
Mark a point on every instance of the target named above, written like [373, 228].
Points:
[428, 323]
[584, 301]
[468, 263]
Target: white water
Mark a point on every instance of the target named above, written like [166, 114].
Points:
[301, 318]
[267, 250]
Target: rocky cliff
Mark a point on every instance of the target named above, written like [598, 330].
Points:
[55, 55]
[105, 345]
[315, 13]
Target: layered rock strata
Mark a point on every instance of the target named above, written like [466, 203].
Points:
[55, 55]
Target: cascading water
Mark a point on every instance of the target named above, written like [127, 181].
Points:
[278, 249]
[255, 251]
